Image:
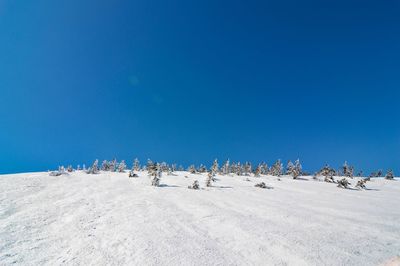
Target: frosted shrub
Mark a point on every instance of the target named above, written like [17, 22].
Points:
[262, 185]
[195, 185]
[343, 183]
[361, 184]
[389, 175]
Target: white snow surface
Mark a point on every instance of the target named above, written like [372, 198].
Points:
[110, 219]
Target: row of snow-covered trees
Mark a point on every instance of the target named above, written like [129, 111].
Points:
[293, 169]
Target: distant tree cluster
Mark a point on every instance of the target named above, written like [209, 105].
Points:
[155, 171]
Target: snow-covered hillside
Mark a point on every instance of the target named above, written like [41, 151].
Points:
[110, 219]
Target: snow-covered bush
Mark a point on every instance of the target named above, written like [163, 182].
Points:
[192, 169]
[262, 185]
[195, 185]
[327, 172]
[389, 175]
[361, 184]
[343, 183]
[55, 173]
[70, 169]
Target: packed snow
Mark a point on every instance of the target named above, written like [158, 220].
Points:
[110, 219]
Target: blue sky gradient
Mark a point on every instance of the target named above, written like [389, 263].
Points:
[190, 81]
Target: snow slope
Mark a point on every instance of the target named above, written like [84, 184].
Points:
[110, 219]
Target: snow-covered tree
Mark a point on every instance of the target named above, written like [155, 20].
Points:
[348, 171]
[389, 175]
[328, 173]
[225, 168]
[151, 168]
[94, 169]
[209, 180]
[214, 168]
[247, 169]
[297, 169]
[289, 168]
[174, 167]
[192, 169]
[105, 166]
[69, 168]
[78, 167]
[113, 165]
[258, 171]
[202, 168]
[136, 165]
[84, 167]
[156, 176]
[276, 169]
[239, 169]
[122, 166]
[264, 169]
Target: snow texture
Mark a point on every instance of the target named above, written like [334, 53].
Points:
[111, 219]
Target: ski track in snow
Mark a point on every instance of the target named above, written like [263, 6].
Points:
[110, 219]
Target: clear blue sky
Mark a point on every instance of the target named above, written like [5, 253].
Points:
[190, 81]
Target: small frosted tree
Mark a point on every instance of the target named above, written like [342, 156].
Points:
[122, 166]
[192, 169]
[297, 169]
[214, 168]
[289, 168]
[78, 167]
[156, 176]
[348, 171]
[202, 168]
[328, 173]
[389, 175]
[151, 168]
[276, 169]
[209, 180]
[258, 171]
[94, 169]
[264, 169]
[247, 169]
[105, 166]
[239, 169]
[225, 168]
[113, 165]
[69, 168]
[136, 165]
